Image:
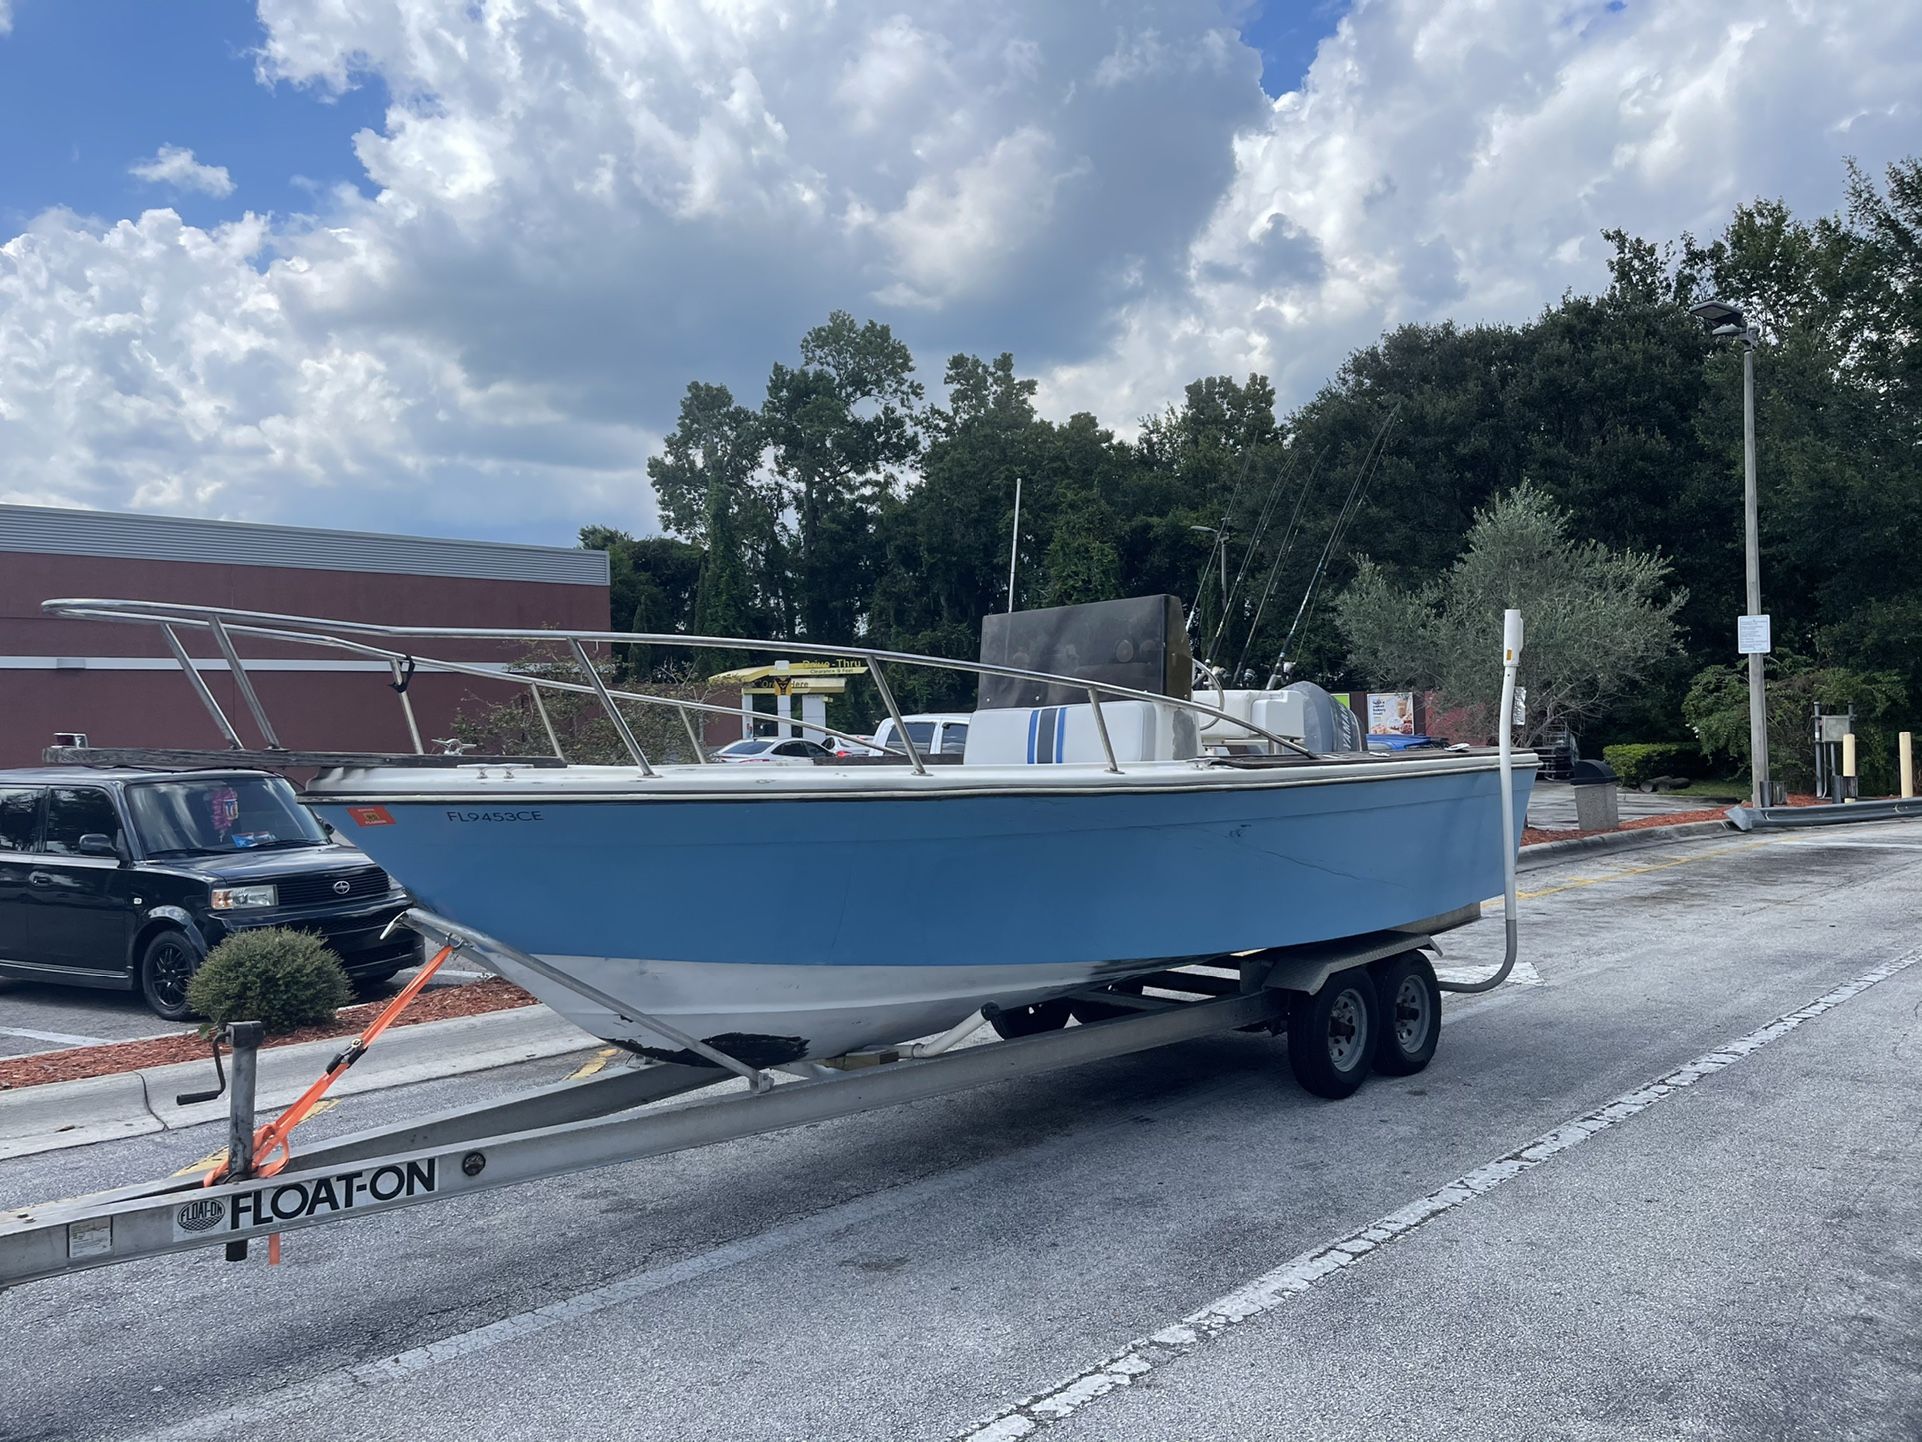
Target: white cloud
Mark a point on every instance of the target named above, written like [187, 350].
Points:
[6, 16]
[1459, 158]
[579, 205]
[175, 165]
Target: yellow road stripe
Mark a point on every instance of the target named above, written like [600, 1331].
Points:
[1576, 882]
[594, 1063]
[219, 1158]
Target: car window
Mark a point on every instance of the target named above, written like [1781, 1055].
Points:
[19, 810]
[921, 733]
[954, 738]
[220, 814]
[77, 811]
[744, 748]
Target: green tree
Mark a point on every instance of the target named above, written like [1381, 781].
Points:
[723, 603]
[843, 426]
[714, 442]
[1595, 620]
[651, 589]
[1717, 711]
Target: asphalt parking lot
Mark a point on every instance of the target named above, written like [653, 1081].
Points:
[1551, 807]
[1668, 1187]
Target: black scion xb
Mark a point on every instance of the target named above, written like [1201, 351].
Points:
[129, 878]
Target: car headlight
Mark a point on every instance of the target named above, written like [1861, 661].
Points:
[235, 898]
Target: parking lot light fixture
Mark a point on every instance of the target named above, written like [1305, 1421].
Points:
[1725, 321]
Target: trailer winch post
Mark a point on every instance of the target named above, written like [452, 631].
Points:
[244, 1037]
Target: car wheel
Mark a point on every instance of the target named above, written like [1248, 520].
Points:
[166, 965]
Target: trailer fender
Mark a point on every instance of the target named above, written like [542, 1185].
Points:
[1307, 969]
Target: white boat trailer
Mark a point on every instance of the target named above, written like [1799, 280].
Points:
[579, 1125]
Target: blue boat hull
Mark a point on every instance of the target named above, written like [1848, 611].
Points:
[812, 925]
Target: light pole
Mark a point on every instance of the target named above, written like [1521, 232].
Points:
[1725, 321]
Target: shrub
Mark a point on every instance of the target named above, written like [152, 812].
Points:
[1717, 709]
[282, 979]
[1645, 761]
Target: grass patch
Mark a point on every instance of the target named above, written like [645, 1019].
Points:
[1735, 789]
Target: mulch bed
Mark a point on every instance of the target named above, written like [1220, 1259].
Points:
[85, 1061]
[1536, 835]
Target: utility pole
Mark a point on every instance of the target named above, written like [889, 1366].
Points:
[1758, 726]
[1725, 322]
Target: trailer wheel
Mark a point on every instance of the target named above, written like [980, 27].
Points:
[1410, 1014]
[1331, 1035]
[1086, 1012]
[1011, 1022]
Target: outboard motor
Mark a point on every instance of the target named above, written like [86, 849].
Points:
[1327, 726]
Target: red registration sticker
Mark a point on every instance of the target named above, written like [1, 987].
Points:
[371, 815]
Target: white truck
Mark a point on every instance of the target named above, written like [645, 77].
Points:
[934, 733]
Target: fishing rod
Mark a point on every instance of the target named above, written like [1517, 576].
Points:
[1282, 553]
[1350, 505]
[1221, 542]
[1269, 509]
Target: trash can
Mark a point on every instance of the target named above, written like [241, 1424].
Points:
[1598, 804]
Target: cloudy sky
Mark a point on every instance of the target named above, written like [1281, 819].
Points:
[445, 265]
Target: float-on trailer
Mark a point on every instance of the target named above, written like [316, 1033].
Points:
[1346, 1007]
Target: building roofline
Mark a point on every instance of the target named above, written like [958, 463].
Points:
[62, 531]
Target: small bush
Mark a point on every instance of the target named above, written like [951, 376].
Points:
[1645, 761]
[282, 979]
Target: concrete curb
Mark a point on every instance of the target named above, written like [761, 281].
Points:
[1551, 853]
[1849, 813]
[95, 1109]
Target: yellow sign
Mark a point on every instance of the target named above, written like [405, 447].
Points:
[794, 678]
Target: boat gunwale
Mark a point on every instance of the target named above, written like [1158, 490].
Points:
[1192, 777]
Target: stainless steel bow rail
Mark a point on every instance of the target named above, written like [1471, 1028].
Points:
[615, 1116]
[222, 624]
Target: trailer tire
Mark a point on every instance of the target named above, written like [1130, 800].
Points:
[1017, 1021]
[1331, 1034]
[1410, 1009]
[1087, 1012]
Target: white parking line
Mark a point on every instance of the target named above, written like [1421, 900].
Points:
[1524, 974]
[1844, 841]
[1295, 1276]
[1264, 1293]
[58, 1038]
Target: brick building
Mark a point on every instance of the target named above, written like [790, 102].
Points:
[120, 685]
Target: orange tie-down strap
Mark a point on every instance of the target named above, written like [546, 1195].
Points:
[273, 1137]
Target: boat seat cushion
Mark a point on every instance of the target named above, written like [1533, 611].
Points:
[1060, 735]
